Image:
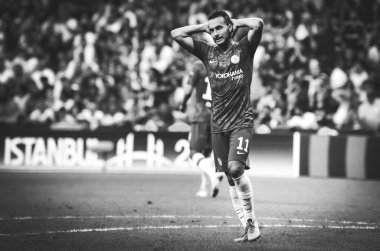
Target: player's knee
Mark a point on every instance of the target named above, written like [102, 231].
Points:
[196, 157]
[235, 168]
[192, 152]
[230, 180]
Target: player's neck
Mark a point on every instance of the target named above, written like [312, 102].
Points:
[226, 46]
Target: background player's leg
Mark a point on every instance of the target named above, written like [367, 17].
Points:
[217, 176]
[206, 166]
[203, 187]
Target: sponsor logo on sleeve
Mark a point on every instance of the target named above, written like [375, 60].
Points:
[213, 62]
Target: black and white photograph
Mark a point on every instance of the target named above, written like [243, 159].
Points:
[189, 125]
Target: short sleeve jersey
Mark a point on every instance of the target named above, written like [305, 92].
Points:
[230, 76]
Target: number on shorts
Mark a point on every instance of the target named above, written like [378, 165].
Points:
[240, 146]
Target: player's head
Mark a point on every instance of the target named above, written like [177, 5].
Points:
[220, 27]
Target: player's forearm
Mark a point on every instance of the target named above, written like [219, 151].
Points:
[187, 31]
[251, 23]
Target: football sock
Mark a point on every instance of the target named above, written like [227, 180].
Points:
[205, 165]
[245, 194]
[191, 162]
[237, 205]
[203, 186]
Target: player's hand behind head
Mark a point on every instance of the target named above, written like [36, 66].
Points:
[234, 27]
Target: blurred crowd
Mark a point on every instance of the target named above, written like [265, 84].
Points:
[113, 63]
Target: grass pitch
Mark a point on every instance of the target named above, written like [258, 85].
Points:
[129, 211]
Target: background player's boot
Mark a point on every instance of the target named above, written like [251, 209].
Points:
[201, 193]
[219, 176]
[253, 231]
[215, 190]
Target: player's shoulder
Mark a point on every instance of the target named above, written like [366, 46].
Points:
[198, 63]
[246, 46]
[243, 41]
[198, 66]
[204, 44]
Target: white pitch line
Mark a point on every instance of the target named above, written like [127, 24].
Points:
[115, 229]
[322, 226]
[68, 217]
[112, 229]
[324, 221]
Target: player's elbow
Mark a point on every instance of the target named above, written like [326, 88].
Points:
[260, 23]
[258, 26]
[173, 33]
[176, 34]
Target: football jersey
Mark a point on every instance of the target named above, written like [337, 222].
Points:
[230, 75]
[199, 81]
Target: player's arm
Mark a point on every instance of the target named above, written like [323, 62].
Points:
[187, 95]
[183, 35]
[192, 82]
[255, 25]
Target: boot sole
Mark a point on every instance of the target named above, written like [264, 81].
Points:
[255, 239]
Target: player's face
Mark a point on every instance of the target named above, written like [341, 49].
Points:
[219, 30]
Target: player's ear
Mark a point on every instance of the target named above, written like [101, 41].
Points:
[231, 29]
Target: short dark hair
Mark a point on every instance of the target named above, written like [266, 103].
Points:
[220, 13]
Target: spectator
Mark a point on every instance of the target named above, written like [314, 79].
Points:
[316, 80]
[9, 110]
[357, 75]
[345, 116]
[126, 44]
[114, 114]
[5, 72]
[40, 105]
[369, 108]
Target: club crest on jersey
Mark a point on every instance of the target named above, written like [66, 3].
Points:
[235, 59]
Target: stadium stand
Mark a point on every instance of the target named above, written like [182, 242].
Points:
[112, 63]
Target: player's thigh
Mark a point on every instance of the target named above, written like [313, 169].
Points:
[200, 137]
[240, 141]
[220, 145]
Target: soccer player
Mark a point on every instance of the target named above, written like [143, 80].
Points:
[200, 132]
[229, 66]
